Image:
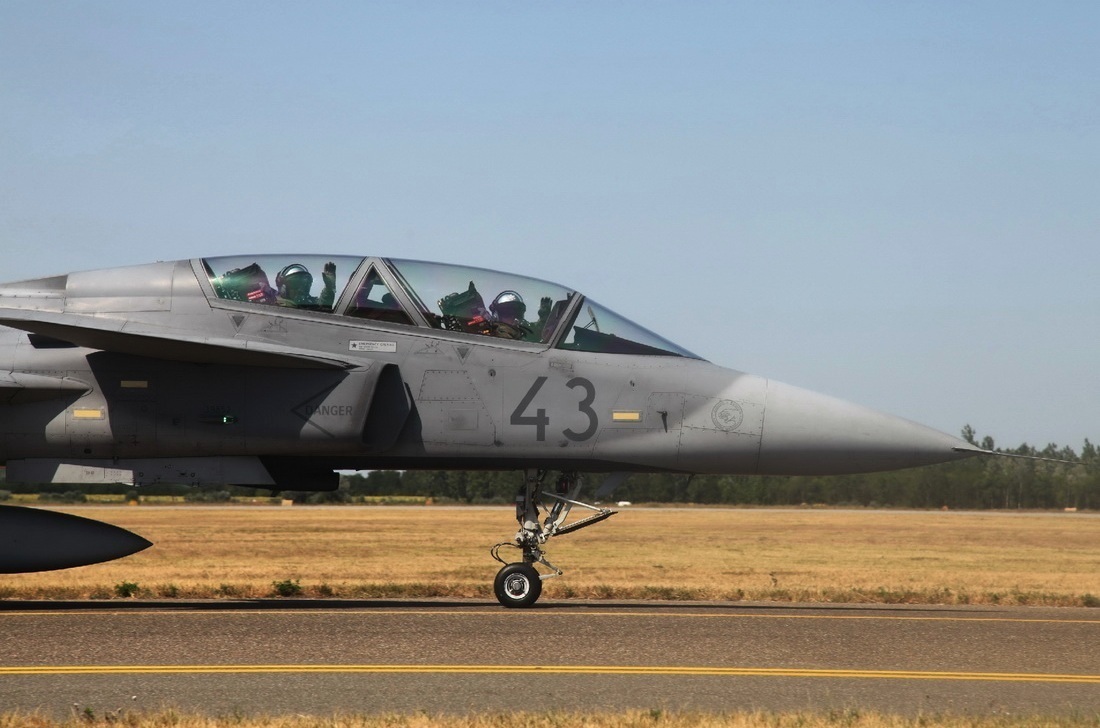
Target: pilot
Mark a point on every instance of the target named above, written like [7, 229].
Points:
[295, 281]
[508, 310]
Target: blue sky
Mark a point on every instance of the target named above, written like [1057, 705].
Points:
[894, 203]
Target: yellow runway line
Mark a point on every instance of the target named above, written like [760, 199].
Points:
[533, 614]
[549, 670]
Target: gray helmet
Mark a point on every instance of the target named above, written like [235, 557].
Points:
[294, 270]
[508, 303]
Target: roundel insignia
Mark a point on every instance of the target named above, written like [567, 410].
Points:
[727, 415]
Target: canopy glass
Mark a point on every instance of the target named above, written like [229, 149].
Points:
[452, 298]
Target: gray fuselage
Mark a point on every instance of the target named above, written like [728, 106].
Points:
[147, 371]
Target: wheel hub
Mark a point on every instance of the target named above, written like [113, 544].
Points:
[517, 586]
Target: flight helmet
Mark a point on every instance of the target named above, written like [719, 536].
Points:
[294, 281]
[508, 305]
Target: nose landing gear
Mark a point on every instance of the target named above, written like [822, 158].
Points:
[519, 584]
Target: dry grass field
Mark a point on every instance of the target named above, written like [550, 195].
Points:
[631, 719]
[645, 553]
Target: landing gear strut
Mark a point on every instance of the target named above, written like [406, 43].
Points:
[519, 584]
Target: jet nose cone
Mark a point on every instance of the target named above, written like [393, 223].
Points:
[809, 433]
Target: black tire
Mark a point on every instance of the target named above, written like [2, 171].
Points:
[517, 585]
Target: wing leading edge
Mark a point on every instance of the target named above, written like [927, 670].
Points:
[98, 334]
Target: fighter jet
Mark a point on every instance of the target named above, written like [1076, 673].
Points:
[275, 371]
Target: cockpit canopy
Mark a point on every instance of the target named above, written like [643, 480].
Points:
[452, 298]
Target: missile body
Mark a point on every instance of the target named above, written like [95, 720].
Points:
[33, 539]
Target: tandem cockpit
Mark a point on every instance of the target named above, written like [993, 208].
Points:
[439, 296]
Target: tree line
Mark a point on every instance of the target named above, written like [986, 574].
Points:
[975, 483]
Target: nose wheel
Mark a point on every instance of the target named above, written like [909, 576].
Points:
[519, 584]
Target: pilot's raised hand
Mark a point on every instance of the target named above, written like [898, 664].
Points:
[328, 293]
[544, 307]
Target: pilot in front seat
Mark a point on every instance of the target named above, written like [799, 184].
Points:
[508, 310]
[295, 281]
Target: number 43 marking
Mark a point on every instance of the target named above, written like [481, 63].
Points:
[541, 421]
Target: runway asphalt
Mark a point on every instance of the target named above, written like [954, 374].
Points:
[323, 657]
